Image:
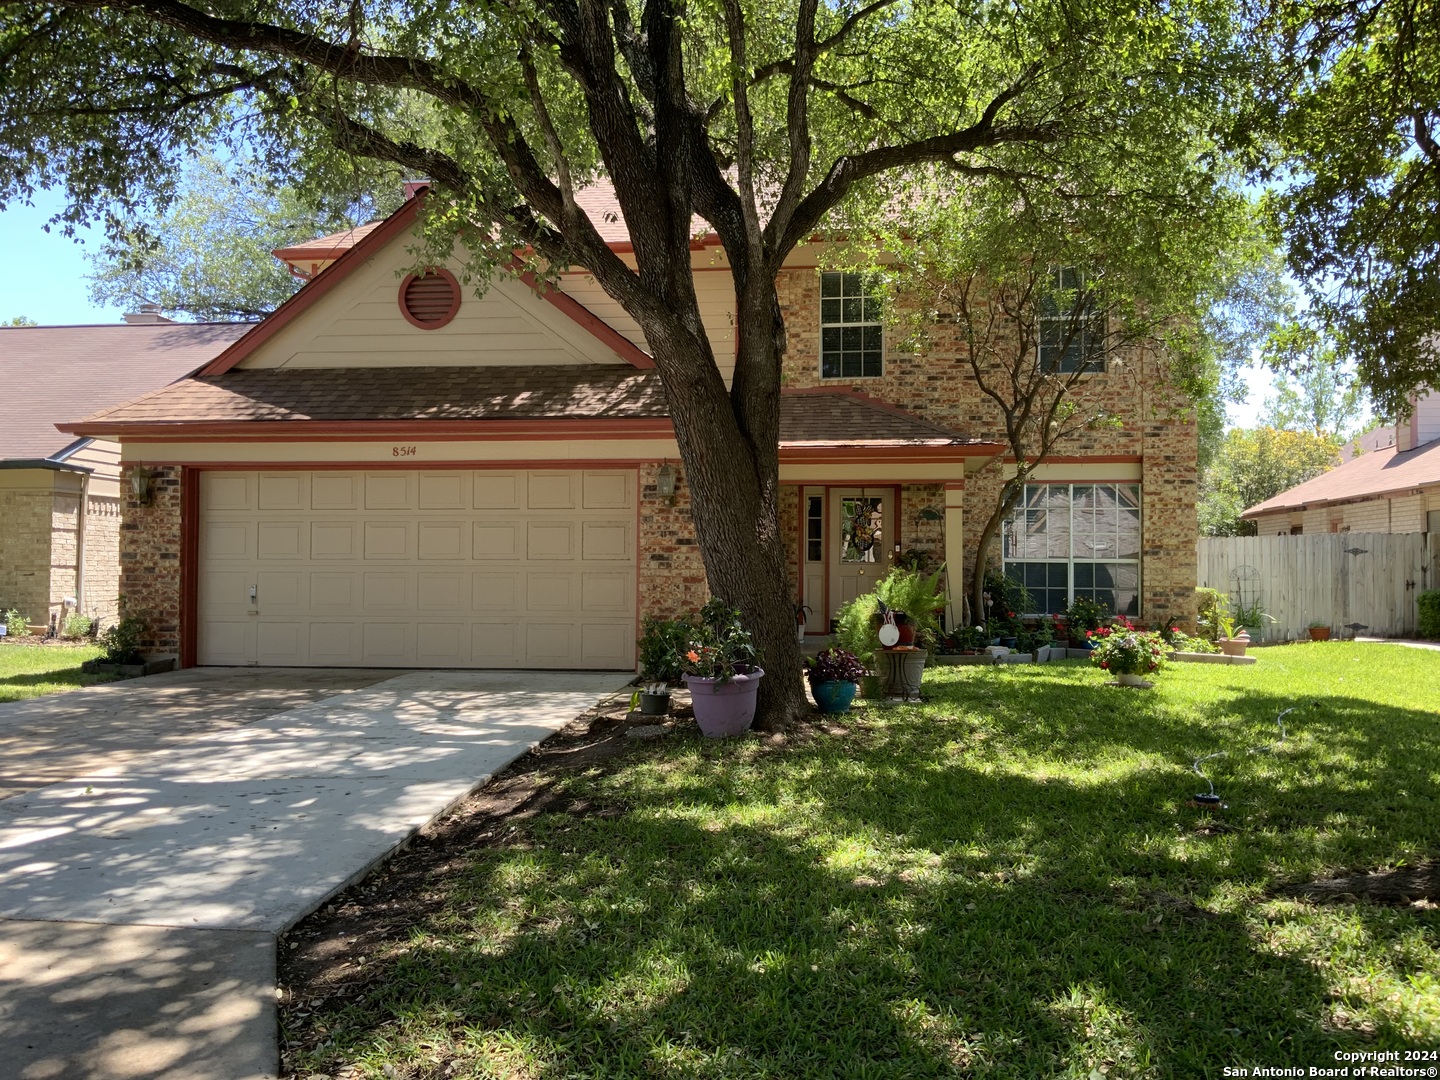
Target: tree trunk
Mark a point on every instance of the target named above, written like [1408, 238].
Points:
[1009, 496]
[729, 450]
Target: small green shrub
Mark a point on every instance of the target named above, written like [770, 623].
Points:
[661, 646]
[917, 595]
[122, 641]
[1211, 607]
[1429, 603]
[1085, 615]
[78, 626]
[15, 624]
[855, 629]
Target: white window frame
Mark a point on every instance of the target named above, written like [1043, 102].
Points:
[1070, 562]
[867, 299]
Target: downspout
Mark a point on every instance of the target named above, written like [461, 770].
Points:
[80, 543]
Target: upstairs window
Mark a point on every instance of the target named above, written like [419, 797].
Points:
[850, 342]
[1071, 328]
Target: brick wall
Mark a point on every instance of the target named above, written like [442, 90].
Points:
[150, 546]
[672, 575]
[936, 384]
[25, 552]
[102, 554]
[102, 559]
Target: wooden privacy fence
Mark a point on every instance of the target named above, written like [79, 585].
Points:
[1355, 583]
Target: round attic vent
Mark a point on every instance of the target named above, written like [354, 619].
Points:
[430, 300]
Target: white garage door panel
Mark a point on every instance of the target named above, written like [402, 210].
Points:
[449, 568]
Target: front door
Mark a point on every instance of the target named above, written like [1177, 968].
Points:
[862, 543]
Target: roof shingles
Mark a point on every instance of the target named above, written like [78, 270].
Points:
[1370, 475]
[420, 394]
[52, 374]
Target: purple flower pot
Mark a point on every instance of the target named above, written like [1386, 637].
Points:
[724, 709]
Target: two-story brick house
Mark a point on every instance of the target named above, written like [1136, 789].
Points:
[393, 471]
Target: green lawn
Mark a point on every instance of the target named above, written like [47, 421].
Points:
[28, 671]
[1005, 881]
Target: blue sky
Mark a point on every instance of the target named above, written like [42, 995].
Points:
[43, 274]
[43, 277]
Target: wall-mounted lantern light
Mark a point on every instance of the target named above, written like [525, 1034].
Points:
[665, 481]
[929, 513]
[140, 485]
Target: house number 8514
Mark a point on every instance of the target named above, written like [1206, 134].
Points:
[402, 451]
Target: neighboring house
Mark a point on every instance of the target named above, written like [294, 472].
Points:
[393, 471]
[1394, 489]
[59, 494]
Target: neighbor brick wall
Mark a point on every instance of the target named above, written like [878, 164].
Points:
[936, 383]
[102, 559]
[25, 552]
[150, 549]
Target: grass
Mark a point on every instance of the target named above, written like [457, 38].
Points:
[1005, 881]
[28, 671]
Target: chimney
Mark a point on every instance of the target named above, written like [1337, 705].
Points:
[415, 187]
[148, 315]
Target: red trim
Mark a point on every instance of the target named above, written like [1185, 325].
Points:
[619, 344]
[189, 565]
[792, 455]
[286, 313]
[411, 464]
[444, 320]
[1097, 459]
[639, 567]
[895, 511]
[800, 525]
[408, 430]
[826, 536]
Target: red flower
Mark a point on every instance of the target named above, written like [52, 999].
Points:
[1106, 666]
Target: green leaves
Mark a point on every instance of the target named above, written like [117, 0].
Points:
[1354, 100]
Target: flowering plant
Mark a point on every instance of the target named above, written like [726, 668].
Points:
[834, 665]
[1129, 652]
[719, 647]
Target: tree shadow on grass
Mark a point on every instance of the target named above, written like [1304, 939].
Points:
[882, 905]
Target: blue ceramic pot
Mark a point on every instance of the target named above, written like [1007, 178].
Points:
[834, 696]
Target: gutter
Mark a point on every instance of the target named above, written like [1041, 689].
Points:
[44, 463]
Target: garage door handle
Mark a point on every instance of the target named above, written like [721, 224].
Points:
[254, 603]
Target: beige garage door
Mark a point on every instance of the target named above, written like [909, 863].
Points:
[524, 569]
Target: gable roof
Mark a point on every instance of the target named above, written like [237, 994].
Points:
[1382, 472]
[248, 401]
[365, 242]
[52, 374]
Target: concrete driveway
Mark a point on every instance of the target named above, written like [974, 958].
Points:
[203, 813]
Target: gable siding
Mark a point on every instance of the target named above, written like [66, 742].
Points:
[359, 324]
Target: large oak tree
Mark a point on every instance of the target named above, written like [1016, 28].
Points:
[759, 119]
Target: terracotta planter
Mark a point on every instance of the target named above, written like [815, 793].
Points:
[724, 709]
[1319, 633]
[1234, 646]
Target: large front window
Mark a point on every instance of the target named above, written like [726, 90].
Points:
[1069, 540]
[850, 343]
